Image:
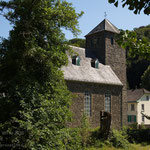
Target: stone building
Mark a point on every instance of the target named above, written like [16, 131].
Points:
[97, 76]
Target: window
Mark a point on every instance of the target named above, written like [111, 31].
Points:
[143, 118]
[87, 104]
[132, 107]
[147, 98]
[112, 41]
[95, 63]
[142, 107]
[76, 60]
[131, 118]
[108, 102]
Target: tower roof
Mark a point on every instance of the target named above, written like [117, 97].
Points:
[105, 25]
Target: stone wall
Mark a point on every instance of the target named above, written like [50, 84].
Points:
[98, 91]
[112, 55]
[116, 59]
[98, 49]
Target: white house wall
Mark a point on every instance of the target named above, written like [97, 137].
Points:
[130, 112]
[146, 109]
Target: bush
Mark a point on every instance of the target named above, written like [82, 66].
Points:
[139, 135]
[85, 130]
[119, 139]
[72, 139]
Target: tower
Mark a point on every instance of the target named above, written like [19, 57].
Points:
[101, 44]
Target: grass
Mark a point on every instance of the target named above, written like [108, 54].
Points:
[132, 147]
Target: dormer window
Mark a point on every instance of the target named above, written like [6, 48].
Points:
[76, 60]
[95, 63]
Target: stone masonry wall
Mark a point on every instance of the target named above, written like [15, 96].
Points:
[98, 48]
[116, 59]
[98, 93]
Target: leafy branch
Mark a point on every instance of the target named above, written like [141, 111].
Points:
[134, 5]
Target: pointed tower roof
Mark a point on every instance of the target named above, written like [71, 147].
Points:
[105, 25]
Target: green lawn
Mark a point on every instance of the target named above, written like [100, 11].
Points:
[132, 147]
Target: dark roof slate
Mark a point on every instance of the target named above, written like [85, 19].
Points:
[105, 25]
[136, 94]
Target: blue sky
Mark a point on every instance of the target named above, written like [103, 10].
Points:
[94, 10]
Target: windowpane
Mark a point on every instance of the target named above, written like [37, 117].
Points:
[108, 102]
[147, 98]
[142, 107]
[87, 104]
[132, 107]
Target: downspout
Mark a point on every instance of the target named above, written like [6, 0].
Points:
[121, 108]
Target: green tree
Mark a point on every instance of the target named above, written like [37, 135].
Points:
[134, 5]
[138, 54]
[146, 79]
[135, 69]
[143, 32]
[135, 47]
[77, 42]
[34, 106]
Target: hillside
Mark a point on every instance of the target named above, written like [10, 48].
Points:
[143, 32]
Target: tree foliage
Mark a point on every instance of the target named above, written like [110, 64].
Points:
[135, 69]
[138, 54]
[128, 40]
[77, 42]
[143, 32]
[146, 116]
[138, 64]
[146, 79]
[34, 106]
[134, 5]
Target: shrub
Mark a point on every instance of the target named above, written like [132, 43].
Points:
[71, 139]
[95, 137]
[85, 130]
[119, 139]
[139, 135]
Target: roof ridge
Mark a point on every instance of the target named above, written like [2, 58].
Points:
[105, 25]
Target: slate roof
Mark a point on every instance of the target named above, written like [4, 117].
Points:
[136, 94]
[105, 25]
[86, 73]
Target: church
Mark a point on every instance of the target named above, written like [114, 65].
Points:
[96, 76]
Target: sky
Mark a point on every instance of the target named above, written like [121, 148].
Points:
[94, 10]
